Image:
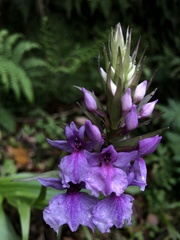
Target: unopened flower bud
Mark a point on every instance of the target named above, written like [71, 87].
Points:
[148, 145]
[131, 119]
[147, 109]
[89, 100]
[126, 101]
[104, 77]
[93, 132]
[140, 92]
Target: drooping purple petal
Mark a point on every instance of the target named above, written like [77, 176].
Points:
[148, 145]
[106, 180]
[73, 168]
[138, 174]
[61, 144]
[113, 211]
[71, 208]
[124, 158]
[51, 182]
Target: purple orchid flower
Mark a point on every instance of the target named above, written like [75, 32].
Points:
[106, 176]
[73, 167]
[75, 140]
[113, 211]
[72, 208]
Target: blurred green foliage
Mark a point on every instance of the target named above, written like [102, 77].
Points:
[46, 47]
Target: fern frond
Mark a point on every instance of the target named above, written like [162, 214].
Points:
[4, 74]
[34, 63]
[14, 77]
[21, 48]
[26, 85]
[3, 35]
[10, 41]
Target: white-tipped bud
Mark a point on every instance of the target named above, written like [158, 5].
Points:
[147, 109]
[140, 92]
[104, 77]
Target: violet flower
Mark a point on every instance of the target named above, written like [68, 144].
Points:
[73, 167]
[106, 176]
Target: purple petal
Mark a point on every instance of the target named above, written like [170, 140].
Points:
[92, 158]
[70, 136]
[73, 168]
[61, 144]
[139, 171]
[106, 180]
[124, 158]
[148, 145]
[74, 128]
[81, 133]
[113, 211]
[51, 182]
[71, 208]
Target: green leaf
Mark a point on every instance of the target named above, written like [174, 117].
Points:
[24, 213]
[7, 231]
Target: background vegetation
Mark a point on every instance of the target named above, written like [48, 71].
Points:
[46, 47]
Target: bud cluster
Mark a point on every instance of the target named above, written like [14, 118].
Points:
[104, 156]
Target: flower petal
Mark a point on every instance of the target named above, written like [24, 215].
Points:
[106, 180]
[73, 168]
[72, 208]
[114, 210]
[61, 144]
[124, 158]
[51, 182]
[139, 171]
